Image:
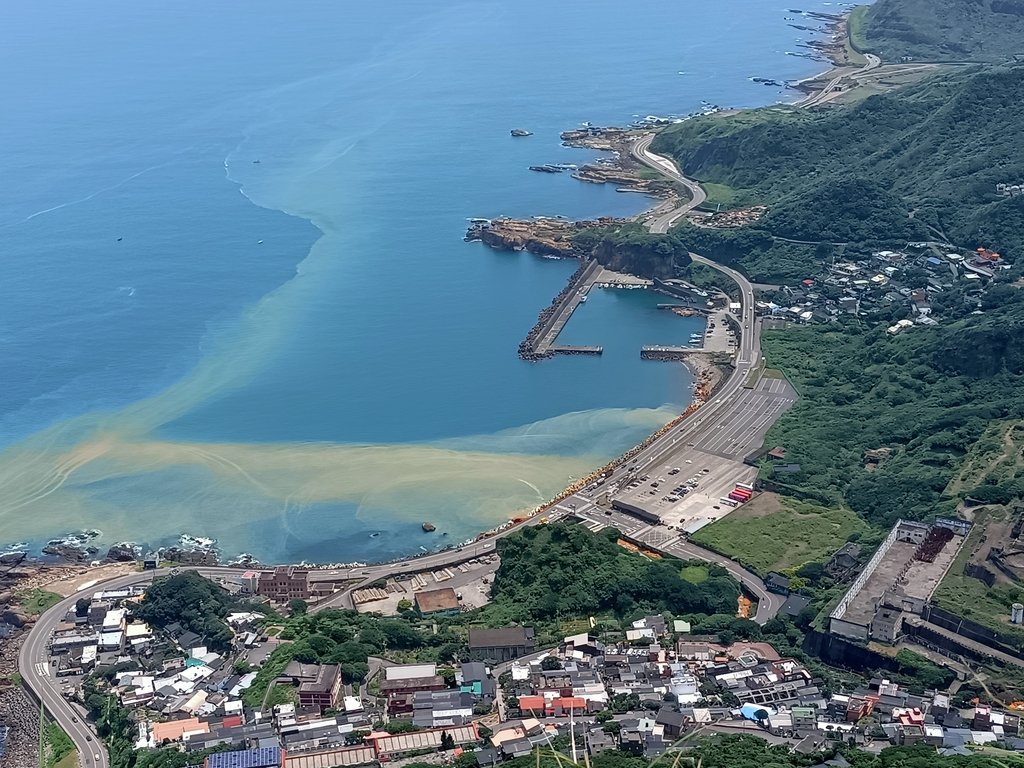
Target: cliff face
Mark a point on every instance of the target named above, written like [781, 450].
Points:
[616, 244]
[640, 260]
[543, 237]
[522, 239]
[632, 249]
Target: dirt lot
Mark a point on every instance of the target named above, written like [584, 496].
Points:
[77, 578]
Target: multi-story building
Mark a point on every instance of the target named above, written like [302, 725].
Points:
[287, 582]
[324, 690]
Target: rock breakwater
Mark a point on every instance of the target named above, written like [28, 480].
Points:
[529, 347]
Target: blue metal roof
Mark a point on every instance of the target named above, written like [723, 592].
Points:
[264, 757]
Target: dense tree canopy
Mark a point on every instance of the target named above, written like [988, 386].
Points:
[945, 30]
[929, 395]
[564, 569]
[752, 752]
[197, 604]
[857, 173]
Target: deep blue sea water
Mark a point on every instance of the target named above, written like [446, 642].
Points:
[234, 297]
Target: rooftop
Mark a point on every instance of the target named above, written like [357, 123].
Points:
[508, 636]
[326, 679]
[265, 757]
[437, 600]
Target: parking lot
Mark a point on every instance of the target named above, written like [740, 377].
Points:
[686, 487]
[687, 494]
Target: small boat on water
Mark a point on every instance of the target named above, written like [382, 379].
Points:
[429, 527]
[517, 132]
[375, 534]
[583, 299]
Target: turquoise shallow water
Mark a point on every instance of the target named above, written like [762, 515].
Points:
[290, 354]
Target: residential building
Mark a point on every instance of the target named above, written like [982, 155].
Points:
[776, 582]
[324, 691]
[438, 602]
[266, 757]
[500, 645]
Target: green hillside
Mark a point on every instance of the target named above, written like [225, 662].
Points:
[891, 168]
[944, 30]
[928, 396]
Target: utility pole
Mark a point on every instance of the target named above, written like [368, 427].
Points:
[42, 762]
[572, 732]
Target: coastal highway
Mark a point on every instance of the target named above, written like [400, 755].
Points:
[38, 674]
[727, 404]
[833, 85]
[641, 151]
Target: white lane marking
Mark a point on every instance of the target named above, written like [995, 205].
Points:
[42, 669]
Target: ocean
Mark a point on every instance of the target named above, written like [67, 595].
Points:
[234, 296]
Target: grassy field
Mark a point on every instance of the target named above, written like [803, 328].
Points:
[695, 574]
[59, 749]
[773, 533]
[37, 601]
[282, 694]
[997, 457]
[971, 597]
[719, 195]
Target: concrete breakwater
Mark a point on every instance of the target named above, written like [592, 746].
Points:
[539, 342]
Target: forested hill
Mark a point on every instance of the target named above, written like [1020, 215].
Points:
[945, 30]
[935, 150]
[928, 396]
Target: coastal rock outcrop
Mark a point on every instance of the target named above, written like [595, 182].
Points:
[74, 553]
[190, 556]
[552, 238]
[14, 618]
[122, 553]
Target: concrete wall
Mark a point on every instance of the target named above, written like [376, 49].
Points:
[848, 629]
[863, 576]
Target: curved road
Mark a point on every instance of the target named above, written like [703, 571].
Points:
[38, 674]
[34, 661]
[641, 150]
[872, 62]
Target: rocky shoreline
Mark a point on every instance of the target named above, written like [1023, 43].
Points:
[622, 169]
[17, 711]
[550, 238]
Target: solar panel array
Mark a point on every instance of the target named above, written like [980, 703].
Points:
[264, 757]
